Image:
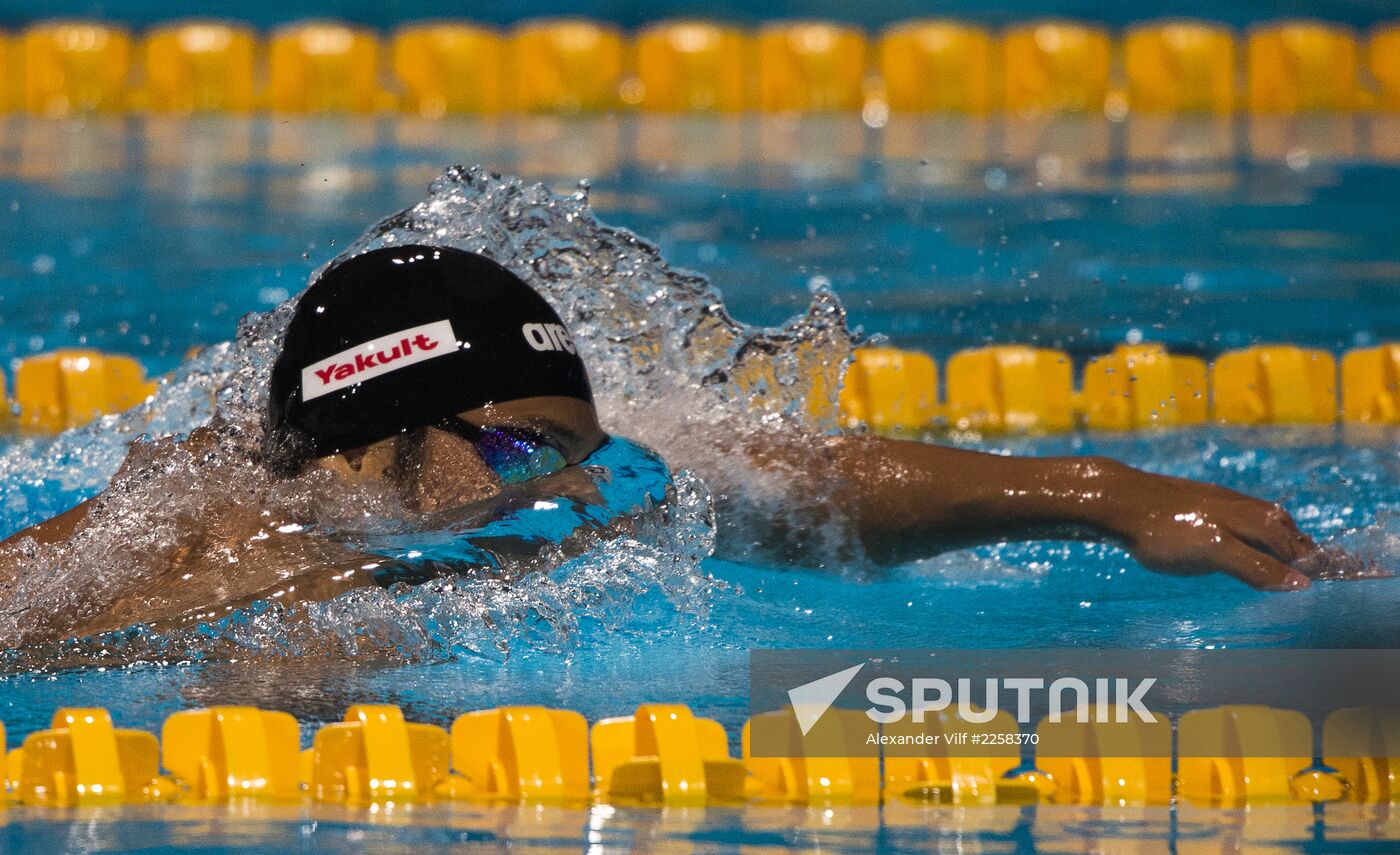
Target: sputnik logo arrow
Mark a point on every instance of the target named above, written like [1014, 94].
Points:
[810, 701]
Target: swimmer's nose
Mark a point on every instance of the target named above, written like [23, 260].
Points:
[437, 471]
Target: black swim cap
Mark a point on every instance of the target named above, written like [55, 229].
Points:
[401, 337]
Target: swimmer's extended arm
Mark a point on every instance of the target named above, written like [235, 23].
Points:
[61, 527]
[57, 529]
[912, 498]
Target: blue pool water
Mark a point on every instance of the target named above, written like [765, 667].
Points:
[385, 16]
[154, 236]
[151, 236]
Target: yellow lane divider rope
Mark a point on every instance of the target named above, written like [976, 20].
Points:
[664, 755]
[996, 389]
[1022, 389]
[568, 65]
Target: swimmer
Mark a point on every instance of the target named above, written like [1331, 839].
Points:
[441, 377]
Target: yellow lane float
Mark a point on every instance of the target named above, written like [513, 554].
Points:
[227, 753]
[1056, 67]
[1180, 67]
[323, 68]
[374, 756]
[1237, 755]
[1143, 386]
[967, 764]
[1302, 66]
[1010, 388]
[1371, 385]
[75, 67]
[937, 67]
[530, 754]
[1111, 763]
[566, 65]
[1383, 59]
[828, 765]
[66, 388]
[1274, 385]
[693, 66]
[199, 67]
[890, 390]
[1363, 745]
[811, 66]
[82, 760]
[664, 755]
[449, 68]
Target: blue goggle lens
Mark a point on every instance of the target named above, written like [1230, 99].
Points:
[517, 455]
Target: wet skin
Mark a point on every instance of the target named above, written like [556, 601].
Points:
[905, 499]
[912, 498]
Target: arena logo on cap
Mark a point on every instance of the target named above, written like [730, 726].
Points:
[378, 357]
[548, 337]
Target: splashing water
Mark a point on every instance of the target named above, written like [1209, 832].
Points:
[670, 368]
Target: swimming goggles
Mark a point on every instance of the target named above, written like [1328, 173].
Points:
[515, 454]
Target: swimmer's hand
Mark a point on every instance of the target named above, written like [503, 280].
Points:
[913, 499]
[1188, 528]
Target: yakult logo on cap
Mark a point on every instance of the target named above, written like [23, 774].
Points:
[377, 357]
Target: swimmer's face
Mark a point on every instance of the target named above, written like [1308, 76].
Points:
[474, 457]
